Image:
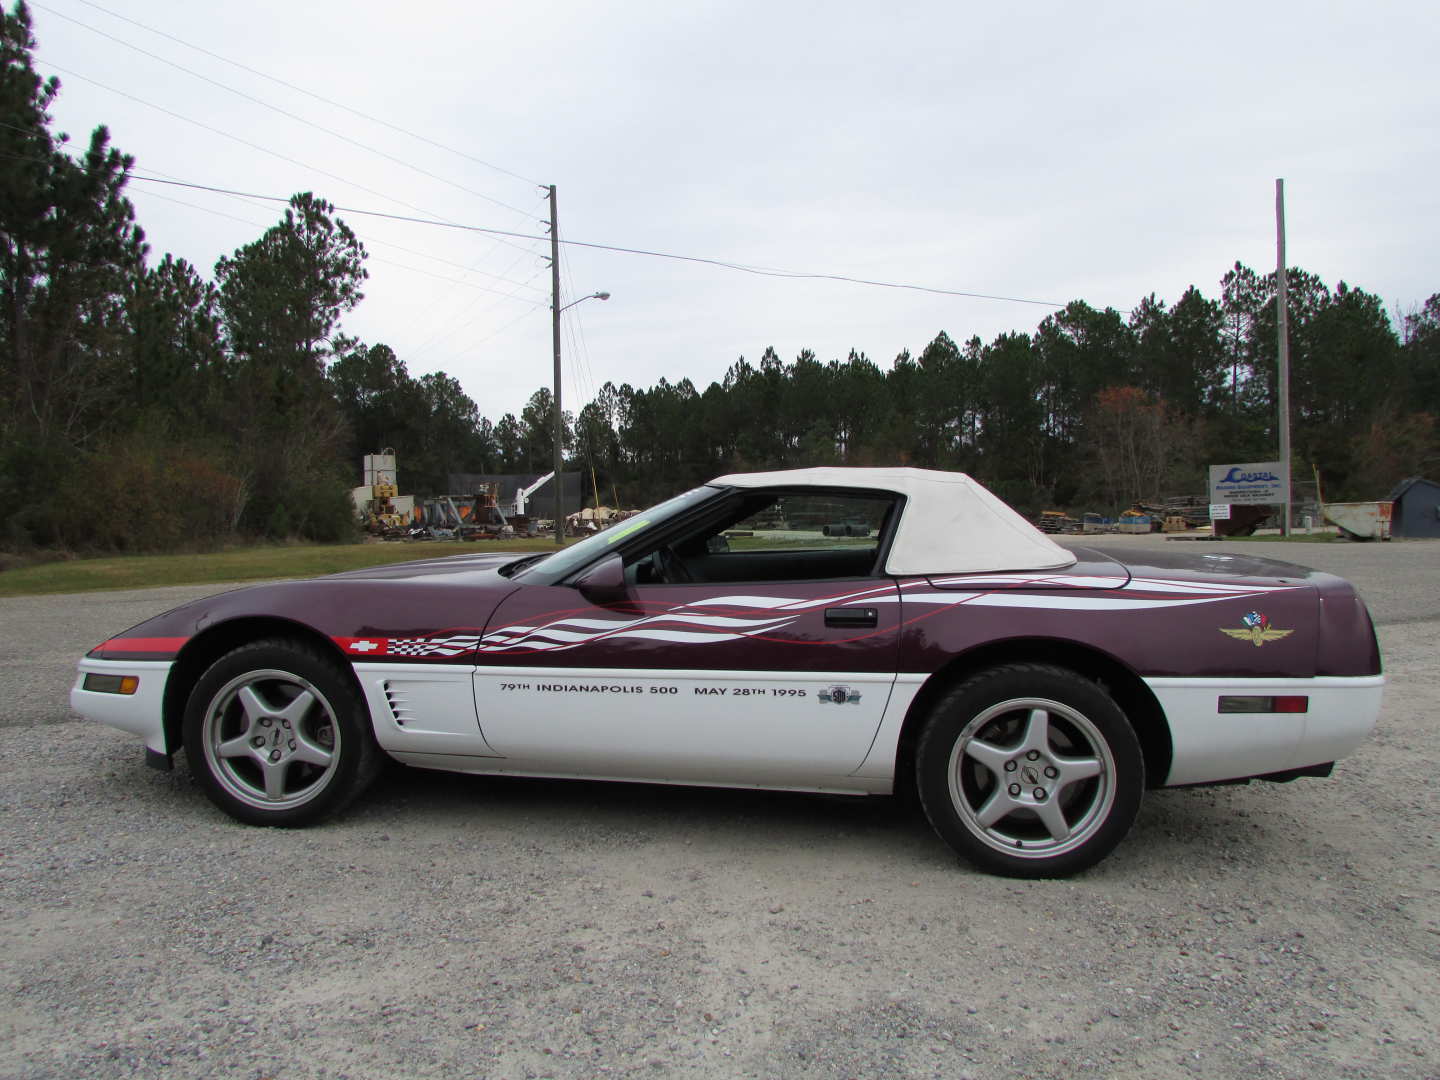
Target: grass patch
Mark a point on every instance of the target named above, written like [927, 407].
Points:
[236, 565]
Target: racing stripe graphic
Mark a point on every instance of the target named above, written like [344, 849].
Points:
[677, 625]
[717, 619]
[757, 616]
[1081, 602]
[139, 648]
[1217, 590]
[439, 644]
[446, 646]
[1156, 593]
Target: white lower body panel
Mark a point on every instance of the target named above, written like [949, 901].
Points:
[1209, 745]
[141, 713]
[424, 708]
[774, 729]
[879, 763]
[776, 780]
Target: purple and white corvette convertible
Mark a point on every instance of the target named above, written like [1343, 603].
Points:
[836, 630]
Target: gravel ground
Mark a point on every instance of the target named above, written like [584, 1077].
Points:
[466, 927]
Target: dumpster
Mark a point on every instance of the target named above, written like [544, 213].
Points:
[1361, 520]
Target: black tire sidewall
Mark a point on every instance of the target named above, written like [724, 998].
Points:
[357, 754]
[967, 700]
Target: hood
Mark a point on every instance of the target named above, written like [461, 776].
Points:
[402, 600]
[468, 569]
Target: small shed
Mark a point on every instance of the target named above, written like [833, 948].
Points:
[1417, 508]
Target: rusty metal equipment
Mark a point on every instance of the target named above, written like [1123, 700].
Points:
[1056, 521]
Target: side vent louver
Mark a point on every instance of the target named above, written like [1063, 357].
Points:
[399, 706]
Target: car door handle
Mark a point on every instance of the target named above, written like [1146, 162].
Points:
[852, 616]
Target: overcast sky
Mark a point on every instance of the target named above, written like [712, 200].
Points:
[1044, 152]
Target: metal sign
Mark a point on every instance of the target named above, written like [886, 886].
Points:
[1219, 511]
[1254, 482]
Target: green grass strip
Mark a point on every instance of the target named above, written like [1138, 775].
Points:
[235, 565]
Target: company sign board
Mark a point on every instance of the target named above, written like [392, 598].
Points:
[1254, 482]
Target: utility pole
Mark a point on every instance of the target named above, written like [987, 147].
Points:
[1281, 321]
[555, 334]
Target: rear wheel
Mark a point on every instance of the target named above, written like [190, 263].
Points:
[1030, 770]
[277, 734]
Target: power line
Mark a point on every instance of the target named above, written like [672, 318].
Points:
[583, 372]
[367, 239]
[470, 315]
[469, 284]
[454, 323]
[442, 331]
[377, 258]
[461, 266]
[310, 94]
[371, 241]
[206, 209]
[437, 301]
[250, 199]
[435, 341]
[254, 146]
[286, 113]
[236, 138]
[721, 263]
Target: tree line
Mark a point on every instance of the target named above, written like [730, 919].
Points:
[151, 407]
[1093, 410]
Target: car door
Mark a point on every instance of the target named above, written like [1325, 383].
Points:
[758, 678]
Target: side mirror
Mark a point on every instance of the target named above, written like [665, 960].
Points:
[604, 582]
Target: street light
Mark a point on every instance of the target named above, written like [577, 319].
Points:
[559, 416]
[592, 296]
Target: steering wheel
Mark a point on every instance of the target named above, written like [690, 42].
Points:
[672, 570]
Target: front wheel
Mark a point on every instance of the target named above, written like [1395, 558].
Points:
[1030, 770]
[277, 734]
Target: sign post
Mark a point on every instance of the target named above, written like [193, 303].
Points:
[1281, 317]
[1218, 512]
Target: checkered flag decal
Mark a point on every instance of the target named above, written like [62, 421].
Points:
[446, 646]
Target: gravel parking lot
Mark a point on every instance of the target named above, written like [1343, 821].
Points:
[451, 926]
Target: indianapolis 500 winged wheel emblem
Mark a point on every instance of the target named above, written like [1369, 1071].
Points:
[1257, 629]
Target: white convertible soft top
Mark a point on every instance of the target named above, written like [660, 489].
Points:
[950, 524]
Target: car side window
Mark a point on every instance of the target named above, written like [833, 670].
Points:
[779, 536]
[820, 522]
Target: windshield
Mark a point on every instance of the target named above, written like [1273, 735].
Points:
[562, 564]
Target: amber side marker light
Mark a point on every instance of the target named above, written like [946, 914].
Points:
[111, 684]
[1295, 703]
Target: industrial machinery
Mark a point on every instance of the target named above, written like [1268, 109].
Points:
[523, 494]
[382, 509]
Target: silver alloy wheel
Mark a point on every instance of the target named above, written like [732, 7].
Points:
[1032, 778]
[270, 739]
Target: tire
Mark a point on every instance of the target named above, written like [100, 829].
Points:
[1030, 771]
[277, 734]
